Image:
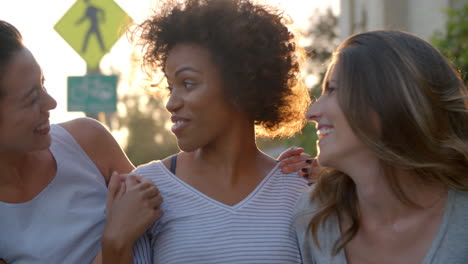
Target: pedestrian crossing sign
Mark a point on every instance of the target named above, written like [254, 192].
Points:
[91, 28]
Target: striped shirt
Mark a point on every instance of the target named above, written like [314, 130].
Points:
[199, 230]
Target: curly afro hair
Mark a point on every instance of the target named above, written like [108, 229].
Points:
[251, 45]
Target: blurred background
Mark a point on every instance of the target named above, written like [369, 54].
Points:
[140, 122]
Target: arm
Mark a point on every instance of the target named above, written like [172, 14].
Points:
[79, 21]
[141, 201]
[99, 145]
[108, 156]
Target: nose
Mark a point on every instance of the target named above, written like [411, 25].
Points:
[175, 102]
[48, 102]
[314, 113]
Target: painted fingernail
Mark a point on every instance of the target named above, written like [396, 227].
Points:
[310, 183]
[305, 176]
[309, 161]
[304, 170]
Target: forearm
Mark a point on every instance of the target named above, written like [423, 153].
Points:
[114, 253]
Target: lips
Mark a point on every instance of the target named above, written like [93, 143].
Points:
[179, 124]
[43, 129]
[323, 131]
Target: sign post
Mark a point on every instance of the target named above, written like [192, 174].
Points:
[92, 93]
[91, 28]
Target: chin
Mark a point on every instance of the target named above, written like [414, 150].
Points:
[186, 147]
[323, 161]
[44, 143]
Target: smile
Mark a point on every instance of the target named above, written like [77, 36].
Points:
[43, 129]
[179, 126]
[323, 132]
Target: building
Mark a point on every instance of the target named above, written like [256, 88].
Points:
[421, 17]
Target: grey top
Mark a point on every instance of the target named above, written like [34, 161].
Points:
[63, 223]
[450, 245]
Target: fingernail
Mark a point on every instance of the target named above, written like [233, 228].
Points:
[304, 170]
[305, 176]
[309, 161]
[310, 183]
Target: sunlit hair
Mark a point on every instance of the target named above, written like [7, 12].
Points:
[253, 48]
[422, 107]
[10, 43]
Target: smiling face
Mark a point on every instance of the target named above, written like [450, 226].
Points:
[337, 142]
[24, 107]
[197, 103]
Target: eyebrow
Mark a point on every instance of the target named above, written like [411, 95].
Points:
[187, 68]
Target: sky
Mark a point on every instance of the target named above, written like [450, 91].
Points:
[36, 19]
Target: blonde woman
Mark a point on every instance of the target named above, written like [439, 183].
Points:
[393, 133]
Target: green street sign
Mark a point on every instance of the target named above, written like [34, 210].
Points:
[91, 28]
[92, 93]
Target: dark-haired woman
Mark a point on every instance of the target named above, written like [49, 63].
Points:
[54, 178]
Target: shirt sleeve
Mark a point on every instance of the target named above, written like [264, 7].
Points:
[142, 251]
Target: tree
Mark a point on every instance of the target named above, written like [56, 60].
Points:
[145, 120]
[453, 42]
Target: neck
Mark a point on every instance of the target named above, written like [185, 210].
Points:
[12, 166]
[378, 201]
[234, 155]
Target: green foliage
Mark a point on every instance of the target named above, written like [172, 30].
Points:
[453, 43]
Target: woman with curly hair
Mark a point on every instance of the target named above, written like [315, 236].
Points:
[232, 69]
[392, 124]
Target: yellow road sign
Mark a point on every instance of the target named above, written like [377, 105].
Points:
[91, 28]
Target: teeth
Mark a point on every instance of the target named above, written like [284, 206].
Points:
[324, 132]
[178, 124]
[43, 126]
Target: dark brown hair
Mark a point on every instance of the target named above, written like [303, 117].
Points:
[253, 48]
[10, 42]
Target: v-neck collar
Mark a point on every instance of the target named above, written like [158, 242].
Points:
[200, 194]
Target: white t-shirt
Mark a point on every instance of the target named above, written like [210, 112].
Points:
[196, 229]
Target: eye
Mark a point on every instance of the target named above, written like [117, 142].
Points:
[188, 84]
[329, 89]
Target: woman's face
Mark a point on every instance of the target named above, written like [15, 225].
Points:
[24, 106]
[337, 142]
[200, 112]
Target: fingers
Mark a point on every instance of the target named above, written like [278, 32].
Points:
[114, 186]
[311, 172]
[292, 151]
[150, 192]
[155, 202]
[295, 163]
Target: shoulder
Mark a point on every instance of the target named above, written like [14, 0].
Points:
[305, 207]
[453, 243]
[304, 210]
[99, 145]
[460, 204]
[86, 129]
